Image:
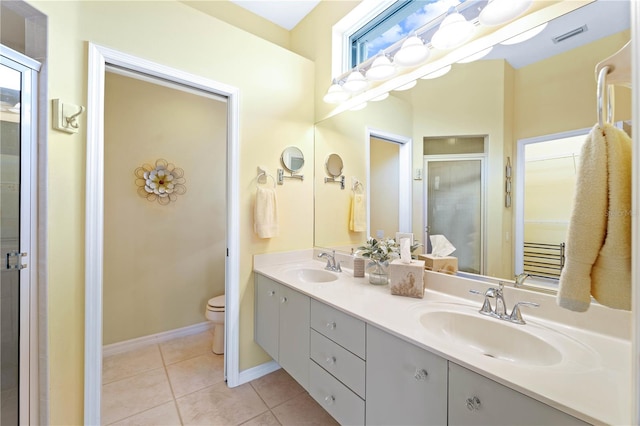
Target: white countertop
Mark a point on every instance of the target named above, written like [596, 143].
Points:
[592, 384]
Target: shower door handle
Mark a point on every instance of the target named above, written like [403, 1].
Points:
[17, 264]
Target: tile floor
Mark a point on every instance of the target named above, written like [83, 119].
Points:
[180, 382]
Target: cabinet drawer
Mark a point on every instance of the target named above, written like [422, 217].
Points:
[341, 363]
[343, 329]
[345, 406]
[475, 400]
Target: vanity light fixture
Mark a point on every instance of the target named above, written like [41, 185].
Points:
[525, 35]
[356, 82]
[336, 94]
[412, 52]
[474, 57]
[381, 69]
[380, 97]
[498, 12]
[359, 107]
[454, 31]
[438, 73]
[406, 86]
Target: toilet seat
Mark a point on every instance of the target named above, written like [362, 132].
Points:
[216, 304]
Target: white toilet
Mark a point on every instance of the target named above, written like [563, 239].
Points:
[215, 314]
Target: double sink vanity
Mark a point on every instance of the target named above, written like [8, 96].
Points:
[370, 358]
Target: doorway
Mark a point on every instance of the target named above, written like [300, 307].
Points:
[99, 58]
[18, 289]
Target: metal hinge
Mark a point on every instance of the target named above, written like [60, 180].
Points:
[13, 260]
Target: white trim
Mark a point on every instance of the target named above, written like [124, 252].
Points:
[635, 206]
[258, 371]
[154, 339]
[99, 56]
[405, 187]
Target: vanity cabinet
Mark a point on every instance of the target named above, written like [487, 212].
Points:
[338, 363]
[282, 326]
[477, 400]
[406, 385]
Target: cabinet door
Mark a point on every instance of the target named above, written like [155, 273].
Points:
[406, 385]
[294, 335]
[476, 400]
[267, 314]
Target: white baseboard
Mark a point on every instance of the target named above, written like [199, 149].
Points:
[256, 372]
[140, 342]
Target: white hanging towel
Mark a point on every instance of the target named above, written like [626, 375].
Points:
[598, 250]
[266, 213]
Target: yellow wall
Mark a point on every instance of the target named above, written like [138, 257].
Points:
[272, 116]
[161, 262]
[346, 135]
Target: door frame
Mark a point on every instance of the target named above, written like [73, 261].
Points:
[28, 239]
[405, 189]
[482, 157]
[99, 57]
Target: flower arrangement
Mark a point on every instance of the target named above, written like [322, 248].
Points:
[382, 250]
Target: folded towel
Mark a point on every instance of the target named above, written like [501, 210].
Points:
[357, 213]
[598, 250]
[266, 213]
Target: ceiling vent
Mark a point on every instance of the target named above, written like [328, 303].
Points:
[570, 34]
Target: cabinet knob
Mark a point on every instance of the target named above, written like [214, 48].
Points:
[283, 300]
[330, 399]
[473, 403]
[420, 374]
[331, 325]
[272, 292]
[331, 360]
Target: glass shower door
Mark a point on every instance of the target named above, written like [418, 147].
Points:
[454, 208]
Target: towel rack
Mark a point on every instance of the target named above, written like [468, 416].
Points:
[356, 185]
[615, 70]
[262, 176]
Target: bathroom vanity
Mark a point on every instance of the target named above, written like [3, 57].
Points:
[372, 358]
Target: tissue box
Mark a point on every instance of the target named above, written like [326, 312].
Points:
[446, 264]
[407, 279]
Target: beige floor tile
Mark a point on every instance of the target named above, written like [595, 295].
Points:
[220, 405]
[163, 415]
[186, 347]
[276, 388]
[302, 410]
[126, 397]
[119, 366]
[264, 419]
[195, 373]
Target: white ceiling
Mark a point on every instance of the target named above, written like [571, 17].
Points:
[285, 13]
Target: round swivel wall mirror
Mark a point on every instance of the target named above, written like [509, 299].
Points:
[333, 164]
[292, 159]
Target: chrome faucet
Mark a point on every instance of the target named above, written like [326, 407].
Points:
[332, 265]
[519, 281]
[500, 310]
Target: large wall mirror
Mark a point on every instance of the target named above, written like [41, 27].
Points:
[540, 87]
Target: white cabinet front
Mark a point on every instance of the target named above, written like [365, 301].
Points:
[406, 385]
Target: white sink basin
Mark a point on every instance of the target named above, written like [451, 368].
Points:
[492, 337]
[311, 275]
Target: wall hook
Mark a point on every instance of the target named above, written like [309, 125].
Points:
[65, 116]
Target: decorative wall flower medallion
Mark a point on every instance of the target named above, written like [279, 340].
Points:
[162, 182]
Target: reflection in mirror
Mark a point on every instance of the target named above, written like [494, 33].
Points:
[543, 89]
[333, 165]
[292, 159]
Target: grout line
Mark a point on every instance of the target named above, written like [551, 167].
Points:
[173, 394]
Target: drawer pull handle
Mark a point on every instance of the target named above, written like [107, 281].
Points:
[331, 360]
[329, 399]
[284, 300]
[271, 293]
[473, 404]
[421, 374]
[331, 325]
